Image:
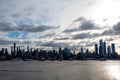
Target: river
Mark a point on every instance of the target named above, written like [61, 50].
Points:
[60, 70]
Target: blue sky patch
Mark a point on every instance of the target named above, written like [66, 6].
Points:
[18, 35]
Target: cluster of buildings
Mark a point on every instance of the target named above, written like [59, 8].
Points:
[101, 52]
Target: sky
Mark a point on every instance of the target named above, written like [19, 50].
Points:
[51, 24]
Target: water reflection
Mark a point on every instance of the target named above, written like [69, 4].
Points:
[113, 71]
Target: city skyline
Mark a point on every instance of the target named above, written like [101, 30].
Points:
[59, 23]
[101, 52]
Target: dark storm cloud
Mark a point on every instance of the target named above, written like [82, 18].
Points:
[84, 24]
[110, 39]
[87, 25]
[12, 26]
[85, 35]
[116, 28]
[8, 41]
[80, 19]
[54, 44]
[70, 30]
[107, 32]
[6, 26]
[89, 43]
[40, 28]
[114, 31]
[62, 38]
[104, 19]
[4, 41]
[47, 35]
[81, 36]
[16, 15]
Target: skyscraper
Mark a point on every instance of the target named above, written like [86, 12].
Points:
[109, 51]
[82, 50]
[27, 48]
[3, 50]
[96, 50]
[113, 49]
[60, 54]
[14, 47]
[104, 44]
[101, 48]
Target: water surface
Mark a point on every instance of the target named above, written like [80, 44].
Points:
[60, 70]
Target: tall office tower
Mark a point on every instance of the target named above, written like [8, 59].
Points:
[113, 49]
[23, 54]
[109, 51]
[6, 52]
[66, 53]
[104, 44]
[12, 53]
[96, 50]
[82, 50]
[19, 47]
[3, 50]
[28, 48]
[101, 42]
[14, 47]
[60, 54]
[11, 50]
[101, 49]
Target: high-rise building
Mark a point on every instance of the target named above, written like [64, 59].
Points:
[12, 53]
[19, 47]
[101, 48]
[96, 50]
[104, 44]
[3, 50]
[60, 54]
[11, 49]
[113, 49]
[28, 48]
[14, 47]
[82, 50]
[66, 53]
[109, 51]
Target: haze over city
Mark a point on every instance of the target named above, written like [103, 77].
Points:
[59, 23]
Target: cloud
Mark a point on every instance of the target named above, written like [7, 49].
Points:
[61, 38]
[70, 30]
[86, 35]
[40, 28]
[89, 43]
[83, 25]
[4, 41]
[47, 35]
[107, 32]
[115, 30]
[54, 44]
[12, 26]
[88, 25]
[7, 26]
[110, 39]
[104, 19]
